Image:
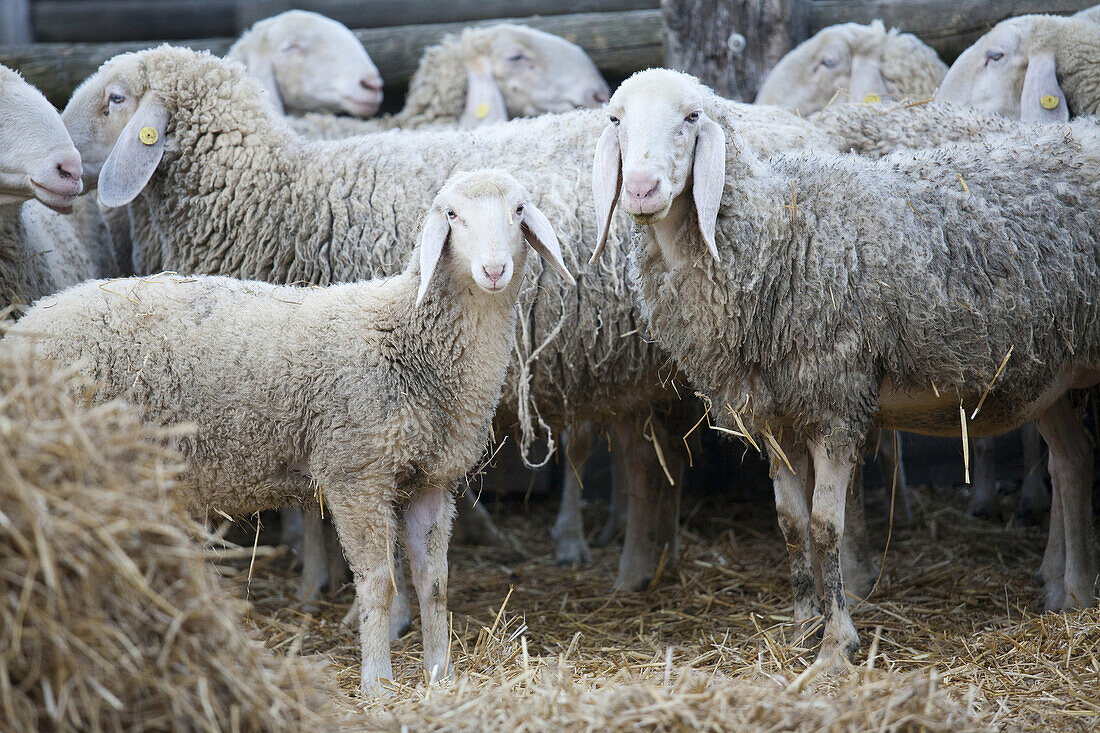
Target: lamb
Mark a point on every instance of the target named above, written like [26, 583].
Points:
[865, 61]
[310, 63]
[1038, 68]
[41, 249]
[326, 212]
[486, 74]
[818, 295]
[378, 394]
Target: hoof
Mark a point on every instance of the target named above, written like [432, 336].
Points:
[1054, 596]
[572, 552]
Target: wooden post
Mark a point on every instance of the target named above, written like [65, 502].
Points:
[731, 44]
[15, 21]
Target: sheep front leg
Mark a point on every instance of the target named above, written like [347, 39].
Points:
[793, 513]
[428, 519]
[834, 469]
[1071, 466]
[570, 546]
[365, 524]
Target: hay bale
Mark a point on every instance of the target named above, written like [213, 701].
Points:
[109, 618]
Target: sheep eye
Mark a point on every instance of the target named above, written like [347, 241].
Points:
[115, 98]
[614, 120]
[516, 57]
[993, 56]
[693, 117]
[519, 210]
[828, 63]
[451, 214]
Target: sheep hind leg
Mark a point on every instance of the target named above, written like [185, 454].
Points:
[428, 519]
[889, 453]
[793, 513]
[983, 493]
[314, 558]
[855, 550]
[1071, 467]
[473, 525]
[400, 613]
[1034, 499]
[833, 469]
[365, 523]
[570, 546]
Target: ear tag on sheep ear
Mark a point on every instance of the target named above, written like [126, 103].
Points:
[148, 135]
[1049, 101]
[871, 98]
[482, 111]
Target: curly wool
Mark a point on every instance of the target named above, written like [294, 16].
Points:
[890, 273]
[239, 194]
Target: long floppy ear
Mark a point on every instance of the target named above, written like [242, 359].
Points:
[607, 182]
[540, 235]
[866, 83]
[1041, 99]
[262, 67]
[135, 156]
[484, 102]
[709, 174]
[432, 239]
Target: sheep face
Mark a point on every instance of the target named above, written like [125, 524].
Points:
[539, 72]
[658, 139]
[840, 57]
[37, 157]
[310, 63]
[484, 218]
[1008, 71]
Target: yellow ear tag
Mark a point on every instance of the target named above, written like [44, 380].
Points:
[871, 98]
[148, 135]
[482, 110]
[1049, 101]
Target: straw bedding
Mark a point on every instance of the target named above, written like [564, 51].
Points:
[110, 619]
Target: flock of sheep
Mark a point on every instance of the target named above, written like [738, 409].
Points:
[847, 254]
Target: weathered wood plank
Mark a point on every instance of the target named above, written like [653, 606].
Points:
[619, 43]
[15, 21]
[132, 20]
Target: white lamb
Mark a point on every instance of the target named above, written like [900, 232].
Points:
[377, 394]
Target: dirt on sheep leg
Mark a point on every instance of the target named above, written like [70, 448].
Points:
[793, 512]
[570, 546]
[428, 520]
[833, 470]
[1069, 569]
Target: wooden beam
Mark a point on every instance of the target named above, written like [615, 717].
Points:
[619, 43]
[386, 13]
[94, 21]
[15, 21]
[949, 26]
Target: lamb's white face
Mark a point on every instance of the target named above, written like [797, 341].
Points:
[989, 75]
[539, 72]
[37, 157]
[320, 65]
[485, 219]
[97, 113]
[656, 116]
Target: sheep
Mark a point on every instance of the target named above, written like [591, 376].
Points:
[1038, 68]
[310, 63]
[485, 75]
[230, 189]
[41, 249]
[1090, 14]
[865, 61]
[813, 295]
[378, 395]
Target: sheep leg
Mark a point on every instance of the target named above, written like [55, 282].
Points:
[365, 523]
[616, 508]
[888, 450]
[570, 547]
[428, 519]
[833, 469]
[793, 512]
[983, 492]
[473, 525]
[1034, 499]
[314, 559]
[290, 531]
[400, 614]
[1071, 465]
[855, 550]
[334, 555]
[1053, 565]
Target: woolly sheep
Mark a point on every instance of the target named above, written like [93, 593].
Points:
[310, 63]
[863, 60]
[378, 394]
[486, 74]
[41, 249]
[1039, 68]
[338, 211]
[813, 295]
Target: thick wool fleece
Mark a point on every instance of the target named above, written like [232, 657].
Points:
[354, 382]
[238, 193]
[890, 272]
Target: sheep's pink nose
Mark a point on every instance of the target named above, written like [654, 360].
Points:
[372, 83]
[640, 186]
[600, 95]
[493, 272]
[69, 167]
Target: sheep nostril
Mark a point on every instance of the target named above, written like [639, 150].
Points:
[68, 171]
[600, 96]
[371, 85]
[494, 272]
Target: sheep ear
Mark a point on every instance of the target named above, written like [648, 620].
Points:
[607, 182]
[261, 66]
[540, 235]
[484, 102]
[866, 83]
[709, 174]
[135, 156]
[1042, 100]
[432, 239]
